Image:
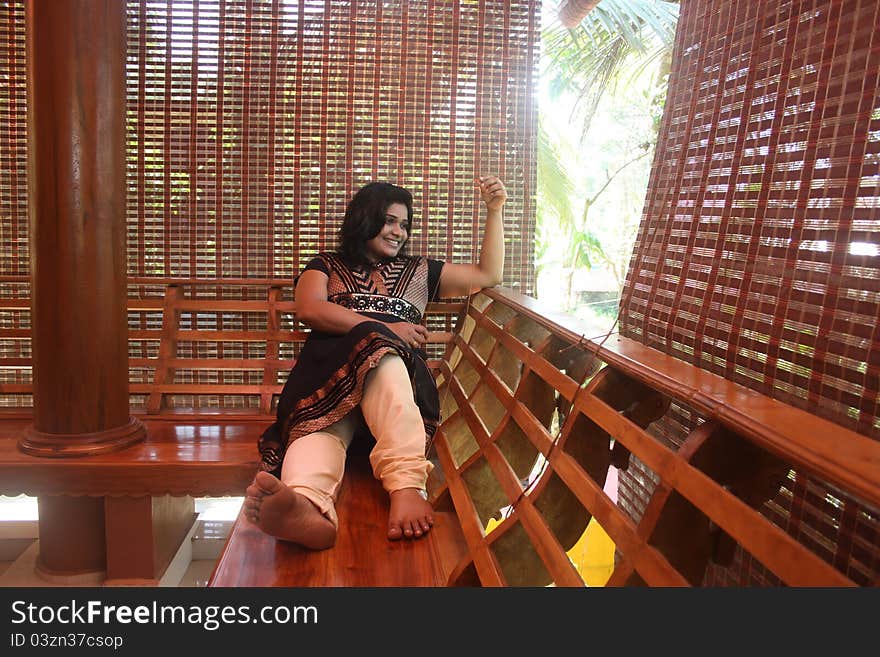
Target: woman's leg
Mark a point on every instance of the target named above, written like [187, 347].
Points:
[398, 458]
[300, 507]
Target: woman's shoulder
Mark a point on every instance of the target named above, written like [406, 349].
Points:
[324, 262]
[326, 258]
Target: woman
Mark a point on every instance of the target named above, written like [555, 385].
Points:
[364, 362]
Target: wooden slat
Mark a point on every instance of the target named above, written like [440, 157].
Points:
[831, 452]
[231, 305]
[17, 388]
[657, 569]
[15, 334]
[190, 335]
[203, 388]
[528, 356]
[652, 565]
[484, 562]
[232, 364]
[211, 282]
[778, 551]
[273, 324]
[167, 349]
[15, 362]
[547, 546]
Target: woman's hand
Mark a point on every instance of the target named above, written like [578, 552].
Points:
[414, 335]
[492, 191]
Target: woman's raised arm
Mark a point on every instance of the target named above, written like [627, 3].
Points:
[458, 280]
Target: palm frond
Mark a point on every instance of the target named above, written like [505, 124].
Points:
[555, 187]
[618, 37]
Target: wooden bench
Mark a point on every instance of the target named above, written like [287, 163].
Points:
[539, 416]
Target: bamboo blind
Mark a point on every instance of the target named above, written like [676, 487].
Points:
[14, 252]
[758, 257]
[252, 123]
[13, 146]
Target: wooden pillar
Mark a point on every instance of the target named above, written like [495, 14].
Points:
[76, 54]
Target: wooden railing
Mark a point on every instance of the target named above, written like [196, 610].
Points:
[536, 418]
[224, 345]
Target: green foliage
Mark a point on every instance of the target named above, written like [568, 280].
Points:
[606, 58]
[555, 194]
[613, 44]
[585, 248]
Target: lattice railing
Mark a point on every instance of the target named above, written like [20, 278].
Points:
[539, 422]
[224, 345]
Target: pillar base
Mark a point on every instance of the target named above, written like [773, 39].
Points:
[60, 445]
[54, 578]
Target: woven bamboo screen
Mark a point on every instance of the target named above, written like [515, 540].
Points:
[14, 252]
[252, 123]
[14, 256]
[758, 257]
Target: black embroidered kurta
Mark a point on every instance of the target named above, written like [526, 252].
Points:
[327, 380]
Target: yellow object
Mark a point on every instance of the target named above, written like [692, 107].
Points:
[593, 555]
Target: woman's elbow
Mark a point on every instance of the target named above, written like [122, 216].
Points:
[486, 282]
[494, 278]
[305, 313]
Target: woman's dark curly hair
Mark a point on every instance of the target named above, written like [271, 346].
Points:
[365, 217]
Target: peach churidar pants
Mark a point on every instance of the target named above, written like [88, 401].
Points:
[315, 463]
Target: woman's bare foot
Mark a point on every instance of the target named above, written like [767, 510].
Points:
[284, 514]
[411, 516]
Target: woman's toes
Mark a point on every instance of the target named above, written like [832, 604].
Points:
[267, 484]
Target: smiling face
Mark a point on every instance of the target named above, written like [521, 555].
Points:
[392, 235]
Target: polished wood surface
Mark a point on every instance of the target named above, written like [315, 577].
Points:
[845, 457]
[362, 556]
[210, 457]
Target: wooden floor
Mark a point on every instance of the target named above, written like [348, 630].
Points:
[362, 556]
